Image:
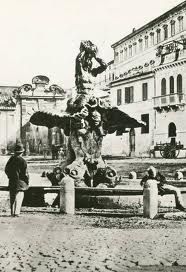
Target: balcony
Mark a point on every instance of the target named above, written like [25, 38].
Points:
[169, 102]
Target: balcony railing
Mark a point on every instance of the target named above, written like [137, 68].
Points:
[169, 100]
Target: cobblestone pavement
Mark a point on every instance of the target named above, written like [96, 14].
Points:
[48, 241]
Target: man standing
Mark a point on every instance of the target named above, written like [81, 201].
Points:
[163, 187]
[16, 170]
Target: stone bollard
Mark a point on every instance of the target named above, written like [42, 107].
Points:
[67, 196]
[178, 175]
[150, 199]
[132, 175]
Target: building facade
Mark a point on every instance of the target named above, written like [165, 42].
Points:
[149, 83]
[17, 106]
[104, 79]
[7, 118]
[170, 82]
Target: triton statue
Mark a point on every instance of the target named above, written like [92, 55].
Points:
[88, 118]
[84, 70]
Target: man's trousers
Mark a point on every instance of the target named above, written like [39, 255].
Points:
[166, 188]
[16, 200]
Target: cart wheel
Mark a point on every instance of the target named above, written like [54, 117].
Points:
[177, 153]
[174, 153]
[170, 152]
[162, 153]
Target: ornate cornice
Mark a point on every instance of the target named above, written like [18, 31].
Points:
[169, 65]
[39, 90]
[133, 77]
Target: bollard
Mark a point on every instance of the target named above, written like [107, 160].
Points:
[67, 196]
[150, 199]
[178, 175]
[132, 175]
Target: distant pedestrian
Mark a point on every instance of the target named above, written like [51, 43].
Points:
[152, 152]
[54, 152]
[40, 147]
[163, 187]
[27, 151]
[61, 154]
[16, 170]
[45, 151]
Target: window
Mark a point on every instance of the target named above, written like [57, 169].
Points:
[172, 28]
[125, 53]
[179, 84]
[116, 56]
[158, 35]
[165, 31]
[130, 50]
[171, 85]
[180, 20]
[121, 55]
[119, 97]
[152, 38]
[145, 118]
[144, 91]
[163, 86]
[146, 42]
[135, 47]
[140, 45]
[129, 95]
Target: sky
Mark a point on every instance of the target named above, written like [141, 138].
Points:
[42, 37]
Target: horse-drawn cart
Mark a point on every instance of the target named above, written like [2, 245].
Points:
[169, 150]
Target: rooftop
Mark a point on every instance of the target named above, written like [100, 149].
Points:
[150, 24]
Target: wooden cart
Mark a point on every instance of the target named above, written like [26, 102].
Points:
[169, 150]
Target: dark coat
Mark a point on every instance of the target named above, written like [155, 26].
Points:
[16, 170]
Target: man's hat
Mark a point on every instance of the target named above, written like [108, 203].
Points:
[19, 148]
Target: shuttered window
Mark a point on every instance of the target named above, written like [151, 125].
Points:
[119, 97]
[144, 91]
[129, 94]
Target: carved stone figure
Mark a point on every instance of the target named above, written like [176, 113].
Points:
[88, 118]
[85, 72]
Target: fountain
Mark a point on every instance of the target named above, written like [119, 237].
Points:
[88, 118]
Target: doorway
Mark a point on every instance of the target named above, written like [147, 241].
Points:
[172, 133]
[172, 130]
[132, 142]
